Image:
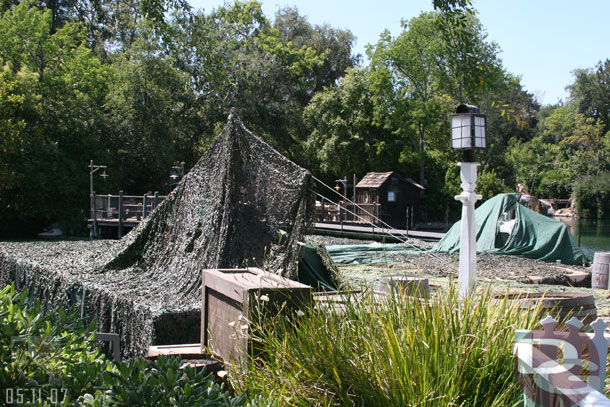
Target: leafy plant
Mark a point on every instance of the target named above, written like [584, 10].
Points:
[51, 358]
[46, 352]
[163, 382]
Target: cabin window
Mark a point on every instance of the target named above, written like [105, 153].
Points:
[391, 196]
[366, 196]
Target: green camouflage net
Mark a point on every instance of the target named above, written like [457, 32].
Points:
[242, 204]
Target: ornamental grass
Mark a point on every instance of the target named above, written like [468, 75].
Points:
[390, 350]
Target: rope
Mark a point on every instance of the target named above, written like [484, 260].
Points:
[365, 220]
[390, 228]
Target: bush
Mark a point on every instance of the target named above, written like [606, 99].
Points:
[51, 360]
[592, 196]
[392, 352]
[47, 353]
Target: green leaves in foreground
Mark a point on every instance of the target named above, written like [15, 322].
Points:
[50, 359]
[144, 382]
[395, 351]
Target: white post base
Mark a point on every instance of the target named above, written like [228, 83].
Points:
[468, 242]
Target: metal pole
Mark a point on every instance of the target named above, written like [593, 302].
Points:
[156, 199]
[144, 206]
[94, 214]
[94, 232]
[354, 196]
[323, 216]
[579, 230]
[120, 214]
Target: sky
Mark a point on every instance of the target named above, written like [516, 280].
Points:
[542, 41]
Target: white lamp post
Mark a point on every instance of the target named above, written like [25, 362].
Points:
[468, 133]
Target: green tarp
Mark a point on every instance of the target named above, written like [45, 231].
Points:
[534, 236]
[373, 253]
[314, 271]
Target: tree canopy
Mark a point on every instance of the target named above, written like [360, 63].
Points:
[142, 85]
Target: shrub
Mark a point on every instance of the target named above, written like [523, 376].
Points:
[50, 359]
[397, 351]
[47, 353]
[592, 196]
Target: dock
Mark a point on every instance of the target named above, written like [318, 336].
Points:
[117, 214]
[373, 232]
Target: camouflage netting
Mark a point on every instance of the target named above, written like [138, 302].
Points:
[243, 203]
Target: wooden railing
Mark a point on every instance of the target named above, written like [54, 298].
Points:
[550, 364]
[118, 210]
[332, 212]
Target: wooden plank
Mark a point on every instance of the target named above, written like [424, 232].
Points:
[321, 226]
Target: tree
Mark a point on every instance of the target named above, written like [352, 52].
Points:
[412, 62]
[153, 120]
[345, 133]
[268, 71]
[54, 87]
[427, 65]
[591, 92]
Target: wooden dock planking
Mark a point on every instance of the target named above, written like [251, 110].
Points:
[372, 232]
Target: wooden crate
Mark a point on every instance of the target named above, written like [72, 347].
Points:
[229, 298]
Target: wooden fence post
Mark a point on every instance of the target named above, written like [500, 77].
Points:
[120, 214]
[144, 203]
[156, 199]
[323, 217]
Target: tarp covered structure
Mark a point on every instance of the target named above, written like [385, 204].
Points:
[533, 235]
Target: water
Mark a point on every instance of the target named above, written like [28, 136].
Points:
[594, 234]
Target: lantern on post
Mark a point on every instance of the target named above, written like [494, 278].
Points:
[468, 133]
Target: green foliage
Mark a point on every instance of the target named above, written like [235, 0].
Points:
[591, 92]
[44, 351]
[141, 86]
[151, 119]
[159, 383]
[392, 352]
[569, 147]
[592, 196]
[52, 356]
[56, 88]
[344, 133]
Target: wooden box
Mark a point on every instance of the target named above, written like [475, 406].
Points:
[229, 299]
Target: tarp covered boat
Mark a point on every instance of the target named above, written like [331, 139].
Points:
[506, 227]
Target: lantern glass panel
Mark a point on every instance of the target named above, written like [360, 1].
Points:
[479, 132]
[461, 137]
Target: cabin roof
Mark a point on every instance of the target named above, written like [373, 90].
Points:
[376, 179]
[373, 179]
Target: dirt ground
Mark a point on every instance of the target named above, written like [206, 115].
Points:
[502, 273]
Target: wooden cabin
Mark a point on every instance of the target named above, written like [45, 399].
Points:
[390, 197]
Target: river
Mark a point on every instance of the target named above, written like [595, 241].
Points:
[594, 234]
